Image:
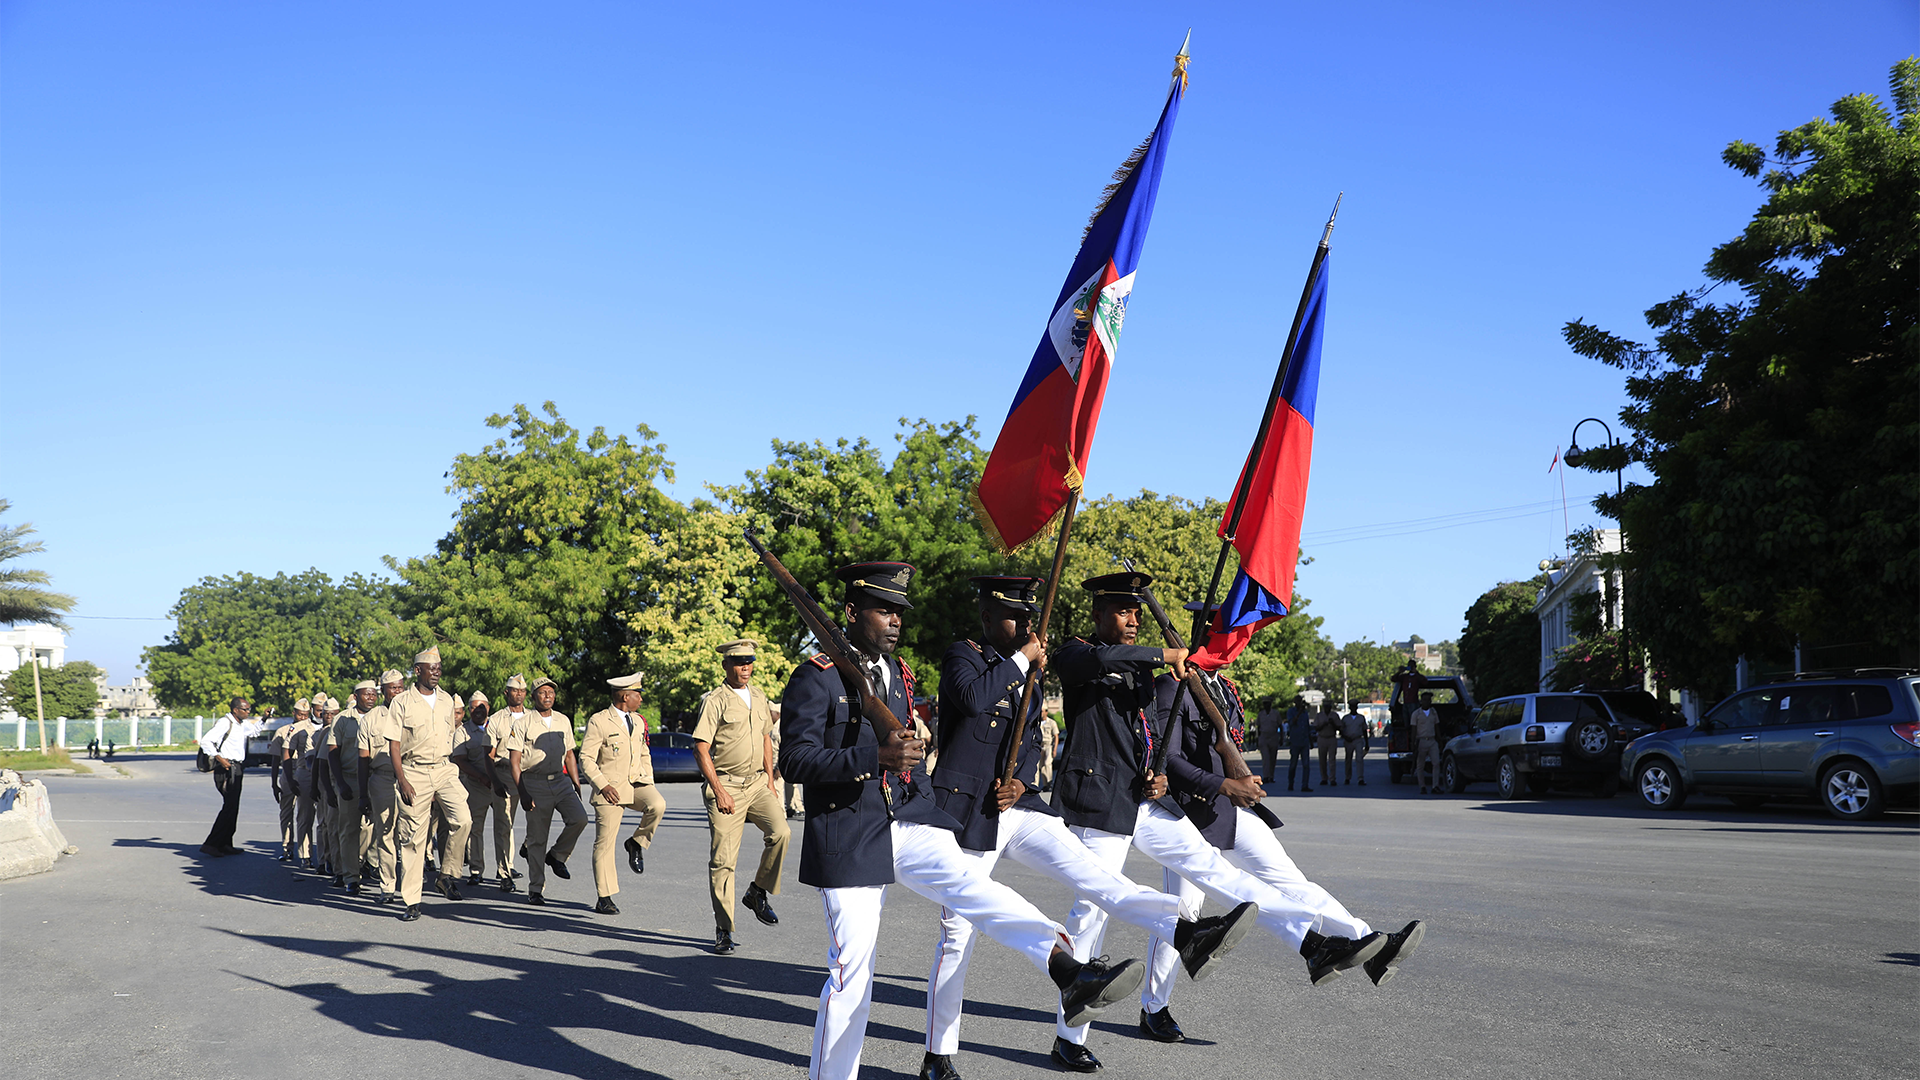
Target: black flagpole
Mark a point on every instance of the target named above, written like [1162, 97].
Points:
[1203, 619]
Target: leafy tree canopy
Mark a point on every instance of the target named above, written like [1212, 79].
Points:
[68, 690]
[1368, 675]
[1783, 428]
[270, 639]
[24, 596]
[1500, 649]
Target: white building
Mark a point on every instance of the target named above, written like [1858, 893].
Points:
[23, 643]
[1576, 576]
[133, 700]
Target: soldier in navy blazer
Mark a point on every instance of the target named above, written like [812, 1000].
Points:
[1107, 791]
[872, 820]
[980, 685]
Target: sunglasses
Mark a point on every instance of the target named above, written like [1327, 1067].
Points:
[739, 659]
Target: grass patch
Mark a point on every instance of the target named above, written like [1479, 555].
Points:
[54, 758]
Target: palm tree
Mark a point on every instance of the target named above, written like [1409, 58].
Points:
[23, 595]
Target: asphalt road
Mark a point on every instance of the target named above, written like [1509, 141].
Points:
[1568, 937]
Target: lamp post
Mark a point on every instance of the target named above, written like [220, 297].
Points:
[1573, 457]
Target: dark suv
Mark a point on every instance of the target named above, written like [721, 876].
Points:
[1527, 742]
[1851, 742]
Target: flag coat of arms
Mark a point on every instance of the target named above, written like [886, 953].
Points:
[1040, 457]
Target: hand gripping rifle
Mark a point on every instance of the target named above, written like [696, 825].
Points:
[833, 642]
[1196, 683]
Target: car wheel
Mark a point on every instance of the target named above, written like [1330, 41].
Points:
[1747, 802]
[1851, 792]
[1658, 783]
[1591, 739]
[1507, 777]
[1451, 781]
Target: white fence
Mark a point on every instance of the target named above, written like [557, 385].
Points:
[128, 732]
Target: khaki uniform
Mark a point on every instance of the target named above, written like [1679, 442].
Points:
[543, 742]
[499, 731]
[613, 753]
[737, 734]
[297, 743]
[1426, 755]
[289, 796]
[429, 737]
[352, 832]
[376, 728]
[323, 824]
[482, 800]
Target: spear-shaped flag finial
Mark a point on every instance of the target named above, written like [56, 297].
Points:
[1327, 237]
[1180, 60]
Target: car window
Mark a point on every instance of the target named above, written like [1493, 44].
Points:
[1747, 710]
[1865, 702]
[1505, 714]
[1810, 705]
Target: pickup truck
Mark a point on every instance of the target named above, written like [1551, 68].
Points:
[1452, 699]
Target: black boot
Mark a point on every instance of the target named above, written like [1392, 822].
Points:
[1327, 957]
[755, 901]
[938, 1067]
[636, 856]
[559, 868]
[1400, 945]
[1074, 1057]
[606, 906]
[722, 942]
[1087, 989]
[1210, 939]
[412, 913]
[1161, 1026]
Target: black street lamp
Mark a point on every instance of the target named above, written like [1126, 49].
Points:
[1573, 457]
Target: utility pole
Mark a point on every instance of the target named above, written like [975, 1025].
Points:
[39, 708]
[1345, 698]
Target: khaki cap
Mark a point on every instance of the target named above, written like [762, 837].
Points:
[457, 703]
[544, 681]
[430, 656]
[739, 647]
[365, 684]
[518, 682]
[390, 676]
[303, 705]
[627, 682]
[479, 698]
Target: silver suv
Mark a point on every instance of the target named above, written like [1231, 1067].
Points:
[1527, 742]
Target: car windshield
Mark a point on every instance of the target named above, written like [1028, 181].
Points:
[1442, 695]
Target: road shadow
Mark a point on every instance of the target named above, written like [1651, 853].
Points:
[1774, 817]
[1903, 959]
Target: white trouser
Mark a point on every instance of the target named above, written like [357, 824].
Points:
[1257, 851]
[1174, 843]
[1041, 842]
[927, 860]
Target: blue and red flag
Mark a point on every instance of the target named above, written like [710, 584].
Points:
[1268, 538]
[1040, 457]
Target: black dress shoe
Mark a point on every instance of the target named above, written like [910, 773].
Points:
[756, 901]
[1097, 985]
[938, 1067]
[1400, 945]
[1211, 939]
[606, 906]
[473, 878]
[636, 856]
[534, 898]
[722, 942]
[384, 898]
[1073, 1057]
[506, 885]
[209, 849]
[447, 888]
[559, 868]
[412, 913]
[516, 873]
[353, 888]
[1327, 957]
[1161, 1026]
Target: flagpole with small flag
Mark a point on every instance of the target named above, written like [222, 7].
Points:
[1037, 468]
[1273, 483]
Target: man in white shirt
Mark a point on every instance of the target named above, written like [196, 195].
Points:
[226, 745]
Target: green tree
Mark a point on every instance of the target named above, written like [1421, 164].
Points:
[1500, 649]
[1783, 429]
[24, 596]
[539, 573]
[1368, 674]
[68, 690]
[271, 639]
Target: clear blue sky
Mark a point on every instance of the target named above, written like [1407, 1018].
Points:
[265, 268]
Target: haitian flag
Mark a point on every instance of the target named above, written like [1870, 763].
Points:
[1040, 457]
[1268, 538]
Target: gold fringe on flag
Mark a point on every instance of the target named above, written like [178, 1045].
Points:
[1074, 481]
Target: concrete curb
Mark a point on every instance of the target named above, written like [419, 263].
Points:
[30, 843]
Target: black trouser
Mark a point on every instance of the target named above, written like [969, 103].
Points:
[227, 783]
[1301, 762]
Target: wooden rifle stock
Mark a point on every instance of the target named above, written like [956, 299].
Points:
[833, 642]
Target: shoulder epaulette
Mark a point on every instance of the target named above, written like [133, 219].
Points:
[976, 646]
[821, 661]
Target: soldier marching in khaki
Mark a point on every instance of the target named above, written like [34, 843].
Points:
[486, 795]
[354, 834]
[500, 725]
[299, 765]
[619, 769]
[282, 780]
[422, 737]
[377, 778]
[541, 750]
[324, 798]
[733, 743]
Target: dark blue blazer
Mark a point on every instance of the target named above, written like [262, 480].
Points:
[1109, 702]
[1195, 770]
[828, 746]
[979, 689]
